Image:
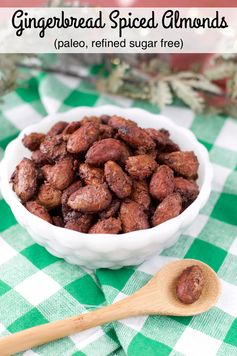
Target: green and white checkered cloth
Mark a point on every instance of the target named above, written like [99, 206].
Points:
[36, 287]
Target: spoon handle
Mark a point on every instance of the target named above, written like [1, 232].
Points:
[45, 333]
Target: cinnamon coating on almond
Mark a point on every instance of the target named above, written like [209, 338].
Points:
[169, 208]
[162, 183]
[81, 223]
[105, 150]
[54, 147]
[57, 128]
[188, 189]
[141, 166]
[136, 137]
[91, 198]
[140, 193]
[106, 226]
[117, 180]
[190, 284]
[33, 140]
[83, 138]
[24, 180]
[133, 216]
[91, 175]
[61, 175]
[49, 196]
[184, 163]
[38, 210]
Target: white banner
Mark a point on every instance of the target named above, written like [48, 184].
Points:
[121, 30]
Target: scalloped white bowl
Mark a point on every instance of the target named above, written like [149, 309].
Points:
[112, 251]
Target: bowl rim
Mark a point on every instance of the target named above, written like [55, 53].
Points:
[14, 203]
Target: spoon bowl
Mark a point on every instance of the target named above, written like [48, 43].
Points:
[162, 290]
[158, 296]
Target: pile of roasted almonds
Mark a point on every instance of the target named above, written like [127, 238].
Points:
[105, 175]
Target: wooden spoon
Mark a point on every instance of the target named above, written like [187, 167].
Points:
[158, 296]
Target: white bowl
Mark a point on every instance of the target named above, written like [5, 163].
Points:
[112, 251]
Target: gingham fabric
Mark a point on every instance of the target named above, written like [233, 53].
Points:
[36, 287]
